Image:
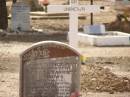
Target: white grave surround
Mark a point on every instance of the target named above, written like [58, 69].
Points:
[20, 17]
[117, 39]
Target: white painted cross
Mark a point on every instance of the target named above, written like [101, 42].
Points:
[73, 9]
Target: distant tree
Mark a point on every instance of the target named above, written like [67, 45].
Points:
[14, 1]
[3, 15]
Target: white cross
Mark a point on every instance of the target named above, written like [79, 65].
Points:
[73, 9]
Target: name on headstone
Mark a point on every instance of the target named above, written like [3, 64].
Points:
[20, 17]
[74, 8]
[49, 69]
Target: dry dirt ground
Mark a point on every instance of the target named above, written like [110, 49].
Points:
[118, 64]
[109, 61]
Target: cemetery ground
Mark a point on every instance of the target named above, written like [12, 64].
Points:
[106, 71]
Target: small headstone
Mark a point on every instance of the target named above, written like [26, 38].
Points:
[97, 29]
[49, 69]
[20, 17]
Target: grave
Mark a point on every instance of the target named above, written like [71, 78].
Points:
[20, 17]
[49, 69]
[96, 29]
[74, 9]
[113, 38]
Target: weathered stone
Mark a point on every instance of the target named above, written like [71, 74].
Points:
[50, 69]
[20, 17]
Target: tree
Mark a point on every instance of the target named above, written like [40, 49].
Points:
[3, 15]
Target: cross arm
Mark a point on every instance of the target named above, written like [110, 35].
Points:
[74, 8]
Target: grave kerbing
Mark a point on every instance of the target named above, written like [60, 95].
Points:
[49, 69]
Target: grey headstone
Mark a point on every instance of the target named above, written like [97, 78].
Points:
[20, 17]
[49, 69]
[97, 29]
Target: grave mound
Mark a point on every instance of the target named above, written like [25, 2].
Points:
[99, 79]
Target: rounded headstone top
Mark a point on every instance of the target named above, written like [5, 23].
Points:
[52, 49]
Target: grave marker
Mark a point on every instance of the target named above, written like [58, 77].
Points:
[96, 29]
[73, 9]
[49, 69]
[20, 17]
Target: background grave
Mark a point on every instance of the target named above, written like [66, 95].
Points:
[20, 17]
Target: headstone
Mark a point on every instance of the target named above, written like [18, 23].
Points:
[96, 29]
[20, 17]
[49, 69]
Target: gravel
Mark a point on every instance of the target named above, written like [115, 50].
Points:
[98, 79]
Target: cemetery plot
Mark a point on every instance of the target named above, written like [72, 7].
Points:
[96, 35]
[74, 37]
[50, 69]
[74, 9]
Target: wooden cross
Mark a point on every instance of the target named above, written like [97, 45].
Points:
[73, 9]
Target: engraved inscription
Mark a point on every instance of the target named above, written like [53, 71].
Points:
[50, 76]
[36, 53]
[49, 70]
[75, 9]
[47, 51]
